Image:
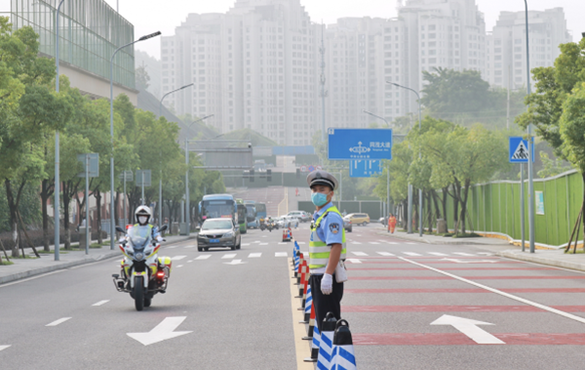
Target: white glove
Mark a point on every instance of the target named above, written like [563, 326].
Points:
[327, 284]
[159, 239]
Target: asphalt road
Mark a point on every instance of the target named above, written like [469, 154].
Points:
[409, 306]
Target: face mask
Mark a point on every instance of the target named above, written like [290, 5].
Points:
[319, 199]
[142, 219]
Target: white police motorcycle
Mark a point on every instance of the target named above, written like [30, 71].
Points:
[143, 274]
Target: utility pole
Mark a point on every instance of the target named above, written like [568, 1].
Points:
[323, 91]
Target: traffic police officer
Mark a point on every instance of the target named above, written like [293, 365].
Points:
[326, 247]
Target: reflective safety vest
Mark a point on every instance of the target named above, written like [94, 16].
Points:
[319, 251]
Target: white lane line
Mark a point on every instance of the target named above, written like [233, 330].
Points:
[353, 260]
[171, 247]
[203, 257]
[438, 254]
[463, 254]
[356, 243]
[57, 322]
[190, 246]
[282, 243]
[4, 347]
[386, 254]
[245, 244]
[392, 243]
[374, 243]
[263, 244]
[189, 261]
[358, 234]
[229, 255]
[254, 255]
[504, 294]
[179, 266]
[360, 254]
[301, 242]
[412, 243]
[178, 258]
[411, 254]
[101, 302]
[280, 254]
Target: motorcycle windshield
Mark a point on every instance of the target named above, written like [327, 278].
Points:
[140, 236]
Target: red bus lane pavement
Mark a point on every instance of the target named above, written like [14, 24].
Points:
[404, 297]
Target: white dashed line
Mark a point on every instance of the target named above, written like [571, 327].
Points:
[4, 347]
[353, 260]
[245, 244]
[437, 254]
[386, 254]
[190, 246]
[412, 243]
[203, 257]
[411, 254]
[179, 266]
[101, 302]
[254, 255]
[301, 242]
[229, 255]
[463, 254]
[178, 258]
[280, 254]
[360, 254]
[263, 244]
[375, 243]
[356, 243]
[171, 247]
[57, 322]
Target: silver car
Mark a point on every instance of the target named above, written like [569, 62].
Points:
[217, 233]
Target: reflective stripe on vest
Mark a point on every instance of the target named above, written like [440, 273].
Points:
[319, 251]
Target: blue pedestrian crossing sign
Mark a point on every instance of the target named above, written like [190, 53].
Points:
[518, 150]
[365, 168]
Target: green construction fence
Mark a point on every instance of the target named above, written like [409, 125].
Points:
[494, 208]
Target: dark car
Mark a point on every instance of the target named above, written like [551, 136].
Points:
[217, 233]
[347, 224]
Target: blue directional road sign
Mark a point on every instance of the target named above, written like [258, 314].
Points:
[348, 144]
[519, 150]
[365, 168]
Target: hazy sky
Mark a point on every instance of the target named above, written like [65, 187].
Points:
[156, 15]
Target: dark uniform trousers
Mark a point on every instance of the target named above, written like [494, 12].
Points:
[325, 303]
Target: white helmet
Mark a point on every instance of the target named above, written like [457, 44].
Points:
[143, 211]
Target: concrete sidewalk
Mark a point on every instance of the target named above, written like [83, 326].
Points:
[501, 248]
[24, 268]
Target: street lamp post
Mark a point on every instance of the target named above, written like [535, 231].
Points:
[112, 210]
[57, 202]
[160, 177]
[530, 143]
[420, 215]
[187, 200]
[388, 170]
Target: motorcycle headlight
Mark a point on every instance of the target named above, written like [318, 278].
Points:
[139, 255]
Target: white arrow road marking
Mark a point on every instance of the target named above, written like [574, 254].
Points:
[387, 254]
[178, 258]
[235, 262]
[101, 302]
[470, 328]
[254, 255]
[4, 347]
[203, 257]
[57, 322]
[229, 255]
[411, 254]
[353, 260]
[163, 331]
[463, 254]
[437, 254]
[280, 254]
[468, 261]
[360, 254]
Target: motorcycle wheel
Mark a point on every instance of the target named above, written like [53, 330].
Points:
[138, 293]
[147, 302]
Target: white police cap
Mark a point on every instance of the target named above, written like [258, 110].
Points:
[320, 177]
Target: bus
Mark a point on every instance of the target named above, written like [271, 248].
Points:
[259, 208]
[251, 218]
[218, 206]
[242, 216]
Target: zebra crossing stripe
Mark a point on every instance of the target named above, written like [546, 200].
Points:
[203, 257]
[178, 258]
[361, 254]
[229, 255]
[254, 255]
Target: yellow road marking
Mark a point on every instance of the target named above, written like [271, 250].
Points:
[302, 347]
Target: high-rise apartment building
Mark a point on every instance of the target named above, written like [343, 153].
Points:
[506, 60]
